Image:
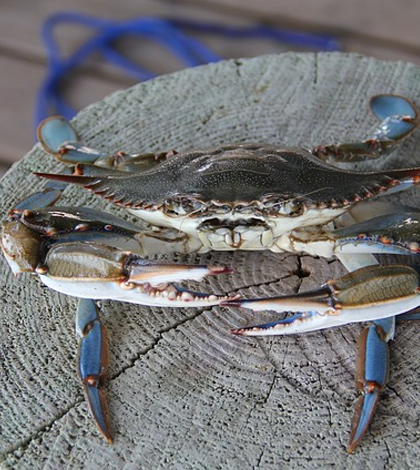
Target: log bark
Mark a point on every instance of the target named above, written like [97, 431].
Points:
[183, 392]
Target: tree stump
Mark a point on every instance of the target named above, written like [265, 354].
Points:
[183, 392]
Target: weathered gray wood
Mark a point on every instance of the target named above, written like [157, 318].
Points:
[183, 392]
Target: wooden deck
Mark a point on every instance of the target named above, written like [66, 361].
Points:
[386, 30]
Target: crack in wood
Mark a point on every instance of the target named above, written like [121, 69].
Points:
[24, 444]
[259, 458]
[262, 284]
[156, 341]
[315, 68]
[394, 390]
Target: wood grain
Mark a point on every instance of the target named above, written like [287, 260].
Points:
[183, 392]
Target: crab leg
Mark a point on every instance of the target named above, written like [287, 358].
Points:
[61, 224]
[46, 197]
[59, 139]
[398, 118]
[371, 375]
[395, 233]
[372, 365]
[93, 363]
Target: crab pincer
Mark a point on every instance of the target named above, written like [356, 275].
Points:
[88, 254]
[375, 293]
[369, 293]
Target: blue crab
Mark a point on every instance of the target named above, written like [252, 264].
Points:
[233, 197]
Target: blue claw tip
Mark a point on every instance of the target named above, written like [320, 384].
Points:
[363, 414]
[384, 106]
[54, 132]
[98, 408]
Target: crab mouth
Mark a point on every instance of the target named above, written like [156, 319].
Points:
[241, 233]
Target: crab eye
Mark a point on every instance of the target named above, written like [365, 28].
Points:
[288, 208]
[179, 208]
[293, 208]
[190, 206]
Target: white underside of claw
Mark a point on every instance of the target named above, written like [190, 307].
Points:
[312, 321]
[163, 296]
[13, 265]
[381, 310]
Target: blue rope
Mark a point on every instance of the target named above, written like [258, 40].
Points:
[168, 33]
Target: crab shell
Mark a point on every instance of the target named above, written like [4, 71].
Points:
[241, 196]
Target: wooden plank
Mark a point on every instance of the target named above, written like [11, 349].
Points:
[18, 88]
[21, 32]
[375, 20]
[393, 23]
[183, 392]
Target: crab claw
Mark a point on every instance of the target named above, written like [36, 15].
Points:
[97, 271]
[398, 118]
[87, 254]
[369, 293]
[93, 363]
[59, 139]
[371, 375]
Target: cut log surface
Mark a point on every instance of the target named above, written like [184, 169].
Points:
[183, 392]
